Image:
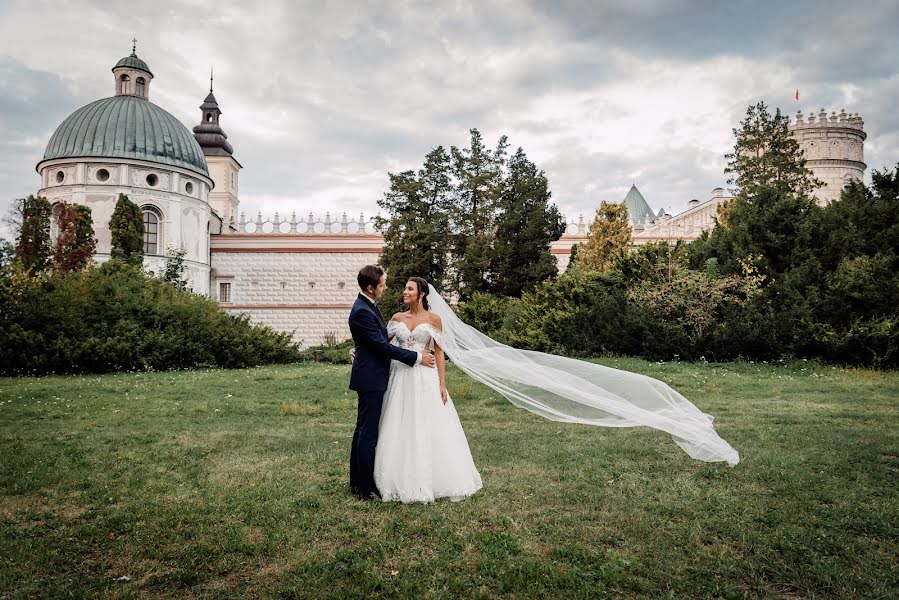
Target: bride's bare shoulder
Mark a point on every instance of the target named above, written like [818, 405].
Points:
[398, 317]
[435, 321]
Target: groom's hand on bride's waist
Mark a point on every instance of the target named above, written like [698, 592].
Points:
[428, 360]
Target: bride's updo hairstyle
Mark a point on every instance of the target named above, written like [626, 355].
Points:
[422, 290]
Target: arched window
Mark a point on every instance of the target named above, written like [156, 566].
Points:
[209, 117]
[141, 83]
[123, 84]
[152, 226]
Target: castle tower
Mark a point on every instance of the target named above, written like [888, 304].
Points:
[223, 168]
[834, 149]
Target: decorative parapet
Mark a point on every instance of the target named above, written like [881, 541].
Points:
[844, 119]
[576, 229]
[328, 226]
[310, 226]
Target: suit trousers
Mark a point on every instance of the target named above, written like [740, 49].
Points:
[365, 440]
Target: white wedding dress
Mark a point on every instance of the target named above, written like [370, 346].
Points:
[422, 452]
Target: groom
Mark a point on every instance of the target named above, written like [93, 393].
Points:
[368, 378]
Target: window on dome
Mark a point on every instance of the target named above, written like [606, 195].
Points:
[141, 86]
[123, 84]
[189, 187]
[151, 230]
[209, 117]
[102, 175]
[152, 180]
[60, 177]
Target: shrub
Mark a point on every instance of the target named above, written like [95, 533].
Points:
[113, 317]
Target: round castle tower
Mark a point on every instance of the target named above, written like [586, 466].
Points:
[834, 149]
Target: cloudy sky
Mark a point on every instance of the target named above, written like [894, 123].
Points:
[322, 99]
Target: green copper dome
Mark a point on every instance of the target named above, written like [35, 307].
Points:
[133, 62]
[127, 127]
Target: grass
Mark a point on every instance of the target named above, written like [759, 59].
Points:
[224, 484]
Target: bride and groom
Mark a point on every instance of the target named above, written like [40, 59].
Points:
[409, 445]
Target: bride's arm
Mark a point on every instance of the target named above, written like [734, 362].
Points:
[441, 371]
[441, 361]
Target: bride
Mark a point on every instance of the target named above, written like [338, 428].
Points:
[422, 453]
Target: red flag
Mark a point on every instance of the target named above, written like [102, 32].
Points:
[797, 93]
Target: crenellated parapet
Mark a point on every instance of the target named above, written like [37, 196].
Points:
[834, 149]
[843, 119]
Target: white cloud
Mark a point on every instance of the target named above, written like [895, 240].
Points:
[321, 101]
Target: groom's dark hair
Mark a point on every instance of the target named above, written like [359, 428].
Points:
[369, 275]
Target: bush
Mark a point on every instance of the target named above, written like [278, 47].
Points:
[579, 313]
[489, 314]
[113, 317]
[331, 351]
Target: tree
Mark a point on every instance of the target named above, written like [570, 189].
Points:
[607, 239]
[775, 227]
[127, 229]
[478, 172]
[526, 226]
[173, 272]
[416, 229]
[75, 242]
[767, 155]
[33, 240]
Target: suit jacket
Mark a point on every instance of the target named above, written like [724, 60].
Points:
[371, 368]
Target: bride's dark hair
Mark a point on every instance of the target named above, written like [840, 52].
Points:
[422, 290]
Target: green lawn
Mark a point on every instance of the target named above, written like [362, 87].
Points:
[203, 483]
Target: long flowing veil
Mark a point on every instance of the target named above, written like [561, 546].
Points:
[576, 391]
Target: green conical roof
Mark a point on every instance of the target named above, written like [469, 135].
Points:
[127, 127]
[638, 211]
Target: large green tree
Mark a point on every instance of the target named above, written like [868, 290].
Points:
[416, 228]
[127, 229]
[478, 171]
[767, 155]
[526, 226]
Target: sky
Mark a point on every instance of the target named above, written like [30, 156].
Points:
[321, 100]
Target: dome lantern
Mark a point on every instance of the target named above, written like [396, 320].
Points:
[132, 76]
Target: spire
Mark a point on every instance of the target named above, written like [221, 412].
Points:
[134, 47]
[209, 133]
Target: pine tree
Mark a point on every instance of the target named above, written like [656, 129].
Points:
[75, 242]
[526, 226]
[127, 229]
[767, 155]
[607, 239]
[416, 229]
[478, 172]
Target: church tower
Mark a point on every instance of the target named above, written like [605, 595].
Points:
[223, 167]
[834, 149]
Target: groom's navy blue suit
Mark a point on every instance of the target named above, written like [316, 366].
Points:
[368, 378]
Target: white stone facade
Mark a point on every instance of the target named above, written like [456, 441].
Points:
[303, 283]
[179, 197]
[687, 226]
[834, 149]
